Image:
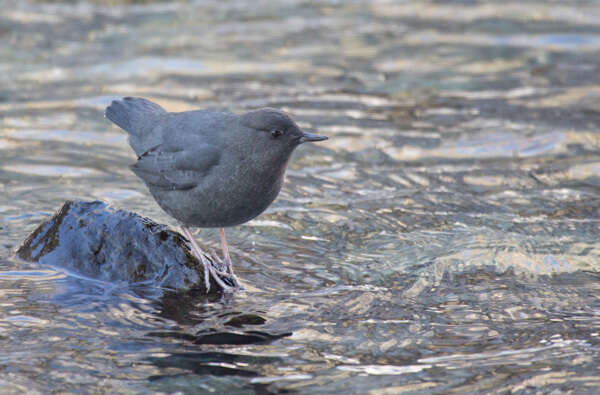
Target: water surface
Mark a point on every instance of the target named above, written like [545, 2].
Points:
[444, 240]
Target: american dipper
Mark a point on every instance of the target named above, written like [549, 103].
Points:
[207, 168]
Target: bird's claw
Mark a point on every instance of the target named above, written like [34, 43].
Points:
[210, 270]
[228, 267]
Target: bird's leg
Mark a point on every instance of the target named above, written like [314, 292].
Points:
[226, 257]
[208, 268]
[225, 249]
[198, 253]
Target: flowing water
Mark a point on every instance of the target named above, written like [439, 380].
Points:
[444, 240]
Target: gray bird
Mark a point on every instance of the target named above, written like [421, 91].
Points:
[207, 168]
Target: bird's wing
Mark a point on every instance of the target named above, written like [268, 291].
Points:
[172, 168]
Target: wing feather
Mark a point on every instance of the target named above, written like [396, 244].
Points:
[176, 169]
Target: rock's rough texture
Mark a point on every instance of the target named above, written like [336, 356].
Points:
[112, 245]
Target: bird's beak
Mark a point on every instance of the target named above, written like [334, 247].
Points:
[311, 137]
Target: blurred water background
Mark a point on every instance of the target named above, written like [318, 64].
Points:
[444, 240]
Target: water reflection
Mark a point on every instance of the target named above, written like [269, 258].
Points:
[445, 239]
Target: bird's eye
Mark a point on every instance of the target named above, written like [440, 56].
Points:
[276, 133]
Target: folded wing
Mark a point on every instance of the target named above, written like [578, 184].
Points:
[176, 168]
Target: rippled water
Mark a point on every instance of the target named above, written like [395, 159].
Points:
[444, 240]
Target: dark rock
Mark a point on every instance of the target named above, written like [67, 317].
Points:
[247, 337]
[215, 337]
[245, 319]
[98, 241]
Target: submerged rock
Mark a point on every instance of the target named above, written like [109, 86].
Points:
[98, 241]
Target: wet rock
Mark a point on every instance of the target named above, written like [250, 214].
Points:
[215, 337]
[98, 241]
[245, 319]
[247, 337]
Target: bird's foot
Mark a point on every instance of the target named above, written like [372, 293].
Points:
[217, 275]
[226, 262]
[209, 269]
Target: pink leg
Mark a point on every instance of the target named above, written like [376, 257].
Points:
[226, 257]
[208, 268]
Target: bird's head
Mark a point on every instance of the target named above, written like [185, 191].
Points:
[275, 131]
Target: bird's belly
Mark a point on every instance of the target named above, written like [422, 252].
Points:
[223, 205]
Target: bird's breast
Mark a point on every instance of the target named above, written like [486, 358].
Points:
[229, 198]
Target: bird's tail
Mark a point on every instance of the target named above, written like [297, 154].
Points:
[133, 114]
